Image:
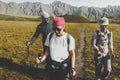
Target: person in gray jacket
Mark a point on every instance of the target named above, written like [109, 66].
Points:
[102, 43]
[44, 28]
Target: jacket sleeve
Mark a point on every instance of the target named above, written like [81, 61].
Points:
[36, 34]
[93, 41]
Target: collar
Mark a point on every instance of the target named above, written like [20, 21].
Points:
[101, 33]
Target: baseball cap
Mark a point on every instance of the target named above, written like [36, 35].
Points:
[45, 15]
[104, 21]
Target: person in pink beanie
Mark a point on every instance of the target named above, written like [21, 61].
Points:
[61, 48]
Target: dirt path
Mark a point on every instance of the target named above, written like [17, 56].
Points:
[79, 56]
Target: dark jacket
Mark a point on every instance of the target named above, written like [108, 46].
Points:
[44, 29]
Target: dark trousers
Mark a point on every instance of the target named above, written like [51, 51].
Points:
[60, 72]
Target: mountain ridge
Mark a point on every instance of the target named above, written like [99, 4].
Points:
[57, 8]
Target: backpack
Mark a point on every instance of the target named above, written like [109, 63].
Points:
[98, 37]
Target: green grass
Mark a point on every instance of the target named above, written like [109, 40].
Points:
[13, 51]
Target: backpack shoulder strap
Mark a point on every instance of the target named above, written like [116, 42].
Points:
[98, 36]
[68, 40]
[51, 34]
[97, 32]
[109, 36]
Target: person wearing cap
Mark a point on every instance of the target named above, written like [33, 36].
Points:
[60, 50]
[44, 28]
[102, 43]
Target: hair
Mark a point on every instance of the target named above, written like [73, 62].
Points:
[65, 30]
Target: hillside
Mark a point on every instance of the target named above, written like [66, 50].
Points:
[68, 18]
[18, 18]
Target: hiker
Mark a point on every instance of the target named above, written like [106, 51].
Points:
[44, 28]
[60, 47]
[102, 43]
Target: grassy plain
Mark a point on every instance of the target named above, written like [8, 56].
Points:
[13, 51]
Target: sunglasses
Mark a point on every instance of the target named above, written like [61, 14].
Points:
[57, 29]
[103, 25]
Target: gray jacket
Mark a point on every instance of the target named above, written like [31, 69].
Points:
[44, 29]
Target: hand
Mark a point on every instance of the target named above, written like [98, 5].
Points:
[38, 60]
[28, 43]
[97, 49]
[112, 56]
[99, 54]
[73, 72]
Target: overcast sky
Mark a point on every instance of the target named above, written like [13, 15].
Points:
[78, 3]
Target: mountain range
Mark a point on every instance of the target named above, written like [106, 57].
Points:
[58, 8]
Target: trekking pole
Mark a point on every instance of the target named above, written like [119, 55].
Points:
[28, 53]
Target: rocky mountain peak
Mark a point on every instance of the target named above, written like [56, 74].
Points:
[57, 8]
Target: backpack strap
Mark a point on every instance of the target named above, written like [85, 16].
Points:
[68, 40]
[98, 37]
[51, 34]
[109, 37]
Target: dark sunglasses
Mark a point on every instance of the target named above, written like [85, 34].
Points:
[103, 25]
[57, 29]
[45, 18]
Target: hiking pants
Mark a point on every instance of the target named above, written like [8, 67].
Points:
[106, 63]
